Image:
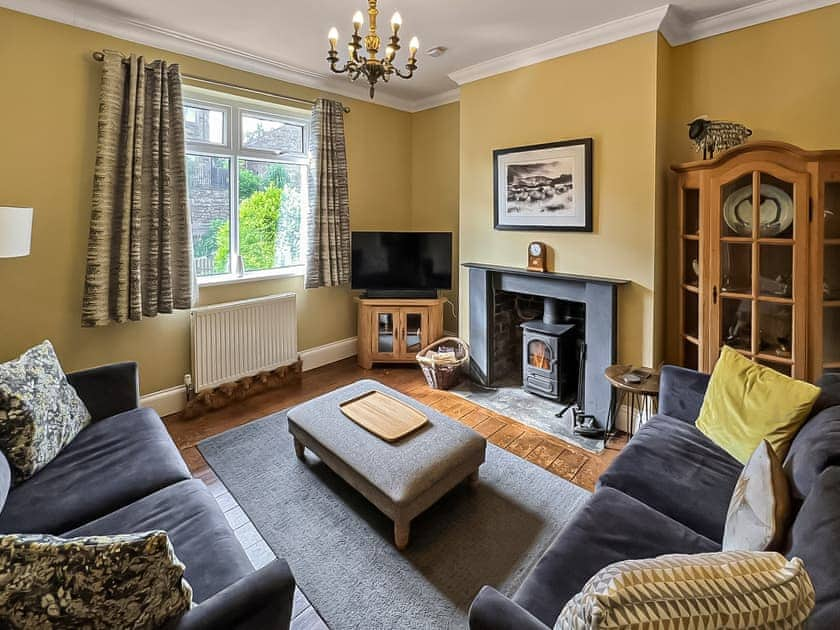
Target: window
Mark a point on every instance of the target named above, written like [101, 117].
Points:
[247, 184]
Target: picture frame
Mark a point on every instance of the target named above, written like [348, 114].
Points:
[543, 187]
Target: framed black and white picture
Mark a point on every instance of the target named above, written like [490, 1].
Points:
[544, 187]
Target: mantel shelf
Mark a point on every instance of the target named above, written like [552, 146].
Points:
[546, 274]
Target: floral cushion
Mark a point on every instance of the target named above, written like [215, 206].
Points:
[40, 412]
[128, 581]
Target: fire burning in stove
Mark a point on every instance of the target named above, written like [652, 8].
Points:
[539, 356]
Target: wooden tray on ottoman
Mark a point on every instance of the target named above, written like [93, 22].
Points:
[383, 415]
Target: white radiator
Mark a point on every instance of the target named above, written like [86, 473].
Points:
[238, 339]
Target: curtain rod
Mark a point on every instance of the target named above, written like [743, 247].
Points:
[99, 56]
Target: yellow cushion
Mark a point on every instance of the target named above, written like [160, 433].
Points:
[746, 403]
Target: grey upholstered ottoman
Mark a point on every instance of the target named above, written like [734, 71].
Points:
[401, 478]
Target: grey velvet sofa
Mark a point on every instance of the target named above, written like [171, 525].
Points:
[124, 474]
[668, 492]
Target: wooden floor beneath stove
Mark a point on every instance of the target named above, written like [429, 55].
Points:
[553, 454]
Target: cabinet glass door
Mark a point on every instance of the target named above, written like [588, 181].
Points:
[413, 331]
[759, 298]
[385, 324]
[831, 278]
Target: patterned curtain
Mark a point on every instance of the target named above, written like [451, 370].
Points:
[328, 230]
[139, 259]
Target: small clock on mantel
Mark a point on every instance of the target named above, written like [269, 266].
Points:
[536, 256]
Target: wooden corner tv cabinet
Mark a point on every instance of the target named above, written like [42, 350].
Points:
[759, 258]
[395, 330]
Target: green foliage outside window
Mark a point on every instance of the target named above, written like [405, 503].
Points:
[258, 217]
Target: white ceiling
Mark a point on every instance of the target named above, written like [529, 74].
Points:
[292, 35]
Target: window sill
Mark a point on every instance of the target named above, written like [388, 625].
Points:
[254, 276]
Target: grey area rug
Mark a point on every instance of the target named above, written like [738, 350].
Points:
[340, 547]
[509, 399]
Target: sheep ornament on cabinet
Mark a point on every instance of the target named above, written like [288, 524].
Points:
[713, 136]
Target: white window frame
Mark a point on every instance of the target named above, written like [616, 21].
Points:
[232, 149]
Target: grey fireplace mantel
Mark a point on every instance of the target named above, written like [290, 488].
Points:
[600, 296]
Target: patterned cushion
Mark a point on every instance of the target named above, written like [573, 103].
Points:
[760, 509]
[130, 581]
[736, 589]
[40, 412]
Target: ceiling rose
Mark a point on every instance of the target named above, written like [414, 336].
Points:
[371, 66]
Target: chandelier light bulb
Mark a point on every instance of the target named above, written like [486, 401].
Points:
[358, 20]
[333, 37]
[396, 21]
[413, 45]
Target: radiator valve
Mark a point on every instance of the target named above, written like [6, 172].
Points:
[188, 386]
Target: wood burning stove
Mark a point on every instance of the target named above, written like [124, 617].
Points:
[549, 356]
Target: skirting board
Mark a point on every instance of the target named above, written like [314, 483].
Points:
[174, 399]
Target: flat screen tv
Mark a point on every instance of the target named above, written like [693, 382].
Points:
[393, 264]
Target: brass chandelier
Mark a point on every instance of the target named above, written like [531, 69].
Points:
[372, 67]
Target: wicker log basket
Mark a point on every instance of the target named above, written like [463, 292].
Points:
[442, 362]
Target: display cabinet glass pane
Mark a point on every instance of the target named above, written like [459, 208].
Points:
[691, 272]
[413, 332]
[777, 207]
[775, 267]
[691, 208]
[735, 268]
[736, 323]
[690, 355]
[831, 210]
[775, 323]
[831, 273]
[782, 368]
[385, 332]
[736, 200]
[691, 313]
[831, 335]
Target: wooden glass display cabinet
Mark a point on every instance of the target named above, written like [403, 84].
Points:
[759, 258]
[395, 330]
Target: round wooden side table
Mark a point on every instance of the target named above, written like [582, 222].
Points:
[642, 398]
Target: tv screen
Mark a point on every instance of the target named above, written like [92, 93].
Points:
[402, 260]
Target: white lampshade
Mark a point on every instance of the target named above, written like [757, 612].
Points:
[15, 231]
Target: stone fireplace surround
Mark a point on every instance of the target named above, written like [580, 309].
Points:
[491, 291]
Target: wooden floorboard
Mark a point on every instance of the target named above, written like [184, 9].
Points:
[549, 452]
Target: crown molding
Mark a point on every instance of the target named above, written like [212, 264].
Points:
[436, 100]
[102, 21]
[674, 27]
[679, 31]
[606, 33]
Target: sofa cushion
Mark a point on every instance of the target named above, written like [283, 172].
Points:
[815, 537]
[760, 510]
[197, 528]
[736, 589]
[829, 385]
[126, 581]
[815, 448]
[40, 412]
[610, 527]
[672, 467]
[747, 402]
[110, 464]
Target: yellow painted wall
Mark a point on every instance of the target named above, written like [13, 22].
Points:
[435, 181]
[607, 93]
[48, 112]
[781, 79]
